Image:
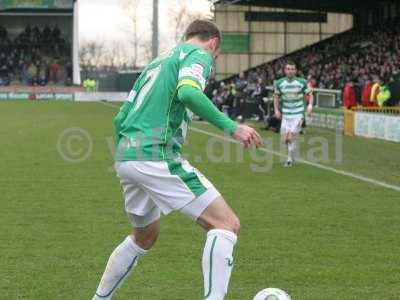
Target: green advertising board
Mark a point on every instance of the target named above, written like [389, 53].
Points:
[235, 43]
[36, 4]
[326, 118]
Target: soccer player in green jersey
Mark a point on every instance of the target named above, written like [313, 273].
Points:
[150, 130]
[289, 105]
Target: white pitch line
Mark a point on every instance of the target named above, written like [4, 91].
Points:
[109, 104]
[306, 162]
[310, 163]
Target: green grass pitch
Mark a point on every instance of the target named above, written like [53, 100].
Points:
[316, 234]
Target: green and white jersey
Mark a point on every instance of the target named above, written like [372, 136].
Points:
[156, 125]
[291, 94]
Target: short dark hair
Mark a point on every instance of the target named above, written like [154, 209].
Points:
[203, 29]
[290, 63]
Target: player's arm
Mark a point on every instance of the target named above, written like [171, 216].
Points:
[193, 74]
[121, 115]
[275, 97]
[120, 118]
[308, 91]
[276, 106]
[310, 104]
[195, 100]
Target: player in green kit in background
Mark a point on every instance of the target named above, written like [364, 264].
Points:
[289, 105]
[150, 130]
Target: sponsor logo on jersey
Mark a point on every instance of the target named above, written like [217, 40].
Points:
[198, 69]
[195, 71]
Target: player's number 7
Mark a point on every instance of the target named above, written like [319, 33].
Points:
[151, 76]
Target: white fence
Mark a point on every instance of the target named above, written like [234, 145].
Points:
[101, 96]
[375, 125]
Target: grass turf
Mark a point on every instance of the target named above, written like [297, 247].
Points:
[316, 234]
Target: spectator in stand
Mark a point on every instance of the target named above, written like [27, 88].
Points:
[29, 47]
[349, 95]
[46, 34]
[42, 74]
[36, 35]
[24, 76]
[376, 87]
[4, 75]
[240, 96]
[366, 92]
[230, 98]
[68, 71]
[28, 30]
[357, 86]
[32, 74]
[258, 94]
[219, 95]
[56, 33]
[384, 93]
[3, 33]
[210, 87]
[349, 55]
[226, 96]
[54, 71]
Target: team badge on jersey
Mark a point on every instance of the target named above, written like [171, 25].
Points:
[198, 70]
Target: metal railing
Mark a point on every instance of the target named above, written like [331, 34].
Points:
[382, 110]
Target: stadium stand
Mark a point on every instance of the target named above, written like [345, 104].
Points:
[35, 56]
[355, 59]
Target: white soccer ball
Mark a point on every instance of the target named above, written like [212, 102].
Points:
[272, 294]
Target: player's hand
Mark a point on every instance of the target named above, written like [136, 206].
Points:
[309, 110]
[247, 135]
[278, 114]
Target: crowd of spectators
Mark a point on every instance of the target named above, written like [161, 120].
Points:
[35, 56]
[355, 62]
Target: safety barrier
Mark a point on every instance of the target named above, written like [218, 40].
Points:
[373, 122]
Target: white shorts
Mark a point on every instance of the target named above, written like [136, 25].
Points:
[292, 125]
[154, 187]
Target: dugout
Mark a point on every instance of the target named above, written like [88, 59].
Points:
[17, 16]
[111, 81]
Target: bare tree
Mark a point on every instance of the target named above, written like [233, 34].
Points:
[97, 51]
[84, 58]
[116, 55]
[146, 48]
[92, 54]
[131, 9]
[140, 44]
[180, 17]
